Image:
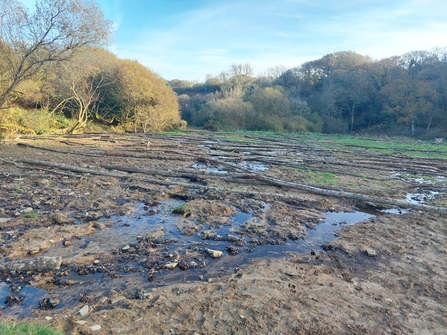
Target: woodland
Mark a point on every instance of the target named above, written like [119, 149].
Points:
[342, 92]
[56, 76]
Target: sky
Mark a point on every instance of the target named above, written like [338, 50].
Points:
[190, 39]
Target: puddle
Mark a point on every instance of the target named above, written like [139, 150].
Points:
[417, 198]
[209, 169]
[421, 196]
[125, 230]
[255, 167]
[128, 228]
[252, 166]
[241, 218]
[32, 295]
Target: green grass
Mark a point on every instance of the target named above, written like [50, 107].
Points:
[403, 146]
[31, 215]
[323, 177]
[26, 329]
[182, 209]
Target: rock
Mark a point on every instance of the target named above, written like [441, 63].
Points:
[371, 252]
[66, 243]
[27, 210]
[37, 263]
[48, 318]
[48, 303]
[232, 250]
[95, 328]
[99, 225]
[58, 218]
[117, 299]
[44, 182]
[127, 247]
[33, 251]
[171, 266]
[81, 322]
[139, 294]
[14, 299]
[93, 216]
[214, 253]
[84, 310]
[4, 220]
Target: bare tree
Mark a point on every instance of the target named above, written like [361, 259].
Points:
[275, 72]
[241, 70]
[55, 31]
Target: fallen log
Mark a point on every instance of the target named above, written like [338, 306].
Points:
[353, 196]
[37, 263]
[265, 179]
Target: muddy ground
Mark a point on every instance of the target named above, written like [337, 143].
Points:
[213, 234]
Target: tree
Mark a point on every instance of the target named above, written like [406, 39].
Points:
[224, 114]
[407, 98]
[144, 98]
[54, 32]
[275, 72]
[80, 82]
[241, 70]
[354, 89]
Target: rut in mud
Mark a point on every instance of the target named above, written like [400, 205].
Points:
[134, 215]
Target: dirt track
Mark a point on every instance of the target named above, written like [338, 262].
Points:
[384, 275]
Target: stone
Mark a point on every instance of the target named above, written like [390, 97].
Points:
[27, 210]
[95, 328]
[117, 299]
[66, 243]
[99, 225]
[34, 251]
[171, 266]
[96, 261]
[58, 218]
[84, 310]
[371, 252]
[48, 318]
[81, 322]
[214, 253]
[127, 247]
[48, 303]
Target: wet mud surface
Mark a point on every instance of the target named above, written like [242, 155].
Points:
[185, 235]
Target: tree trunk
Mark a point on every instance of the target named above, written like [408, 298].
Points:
[38, 263]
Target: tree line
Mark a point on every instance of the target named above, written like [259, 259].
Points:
[53, 60]
[338, 93]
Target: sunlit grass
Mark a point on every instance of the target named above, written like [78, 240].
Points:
[26, 329]
[31, 215]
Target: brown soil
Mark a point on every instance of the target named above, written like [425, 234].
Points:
[384, 275]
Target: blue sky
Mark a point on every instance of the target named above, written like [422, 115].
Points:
[188, 39]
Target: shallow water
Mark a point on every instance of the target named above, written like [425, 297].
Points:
[128, 227]
[32, 295]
